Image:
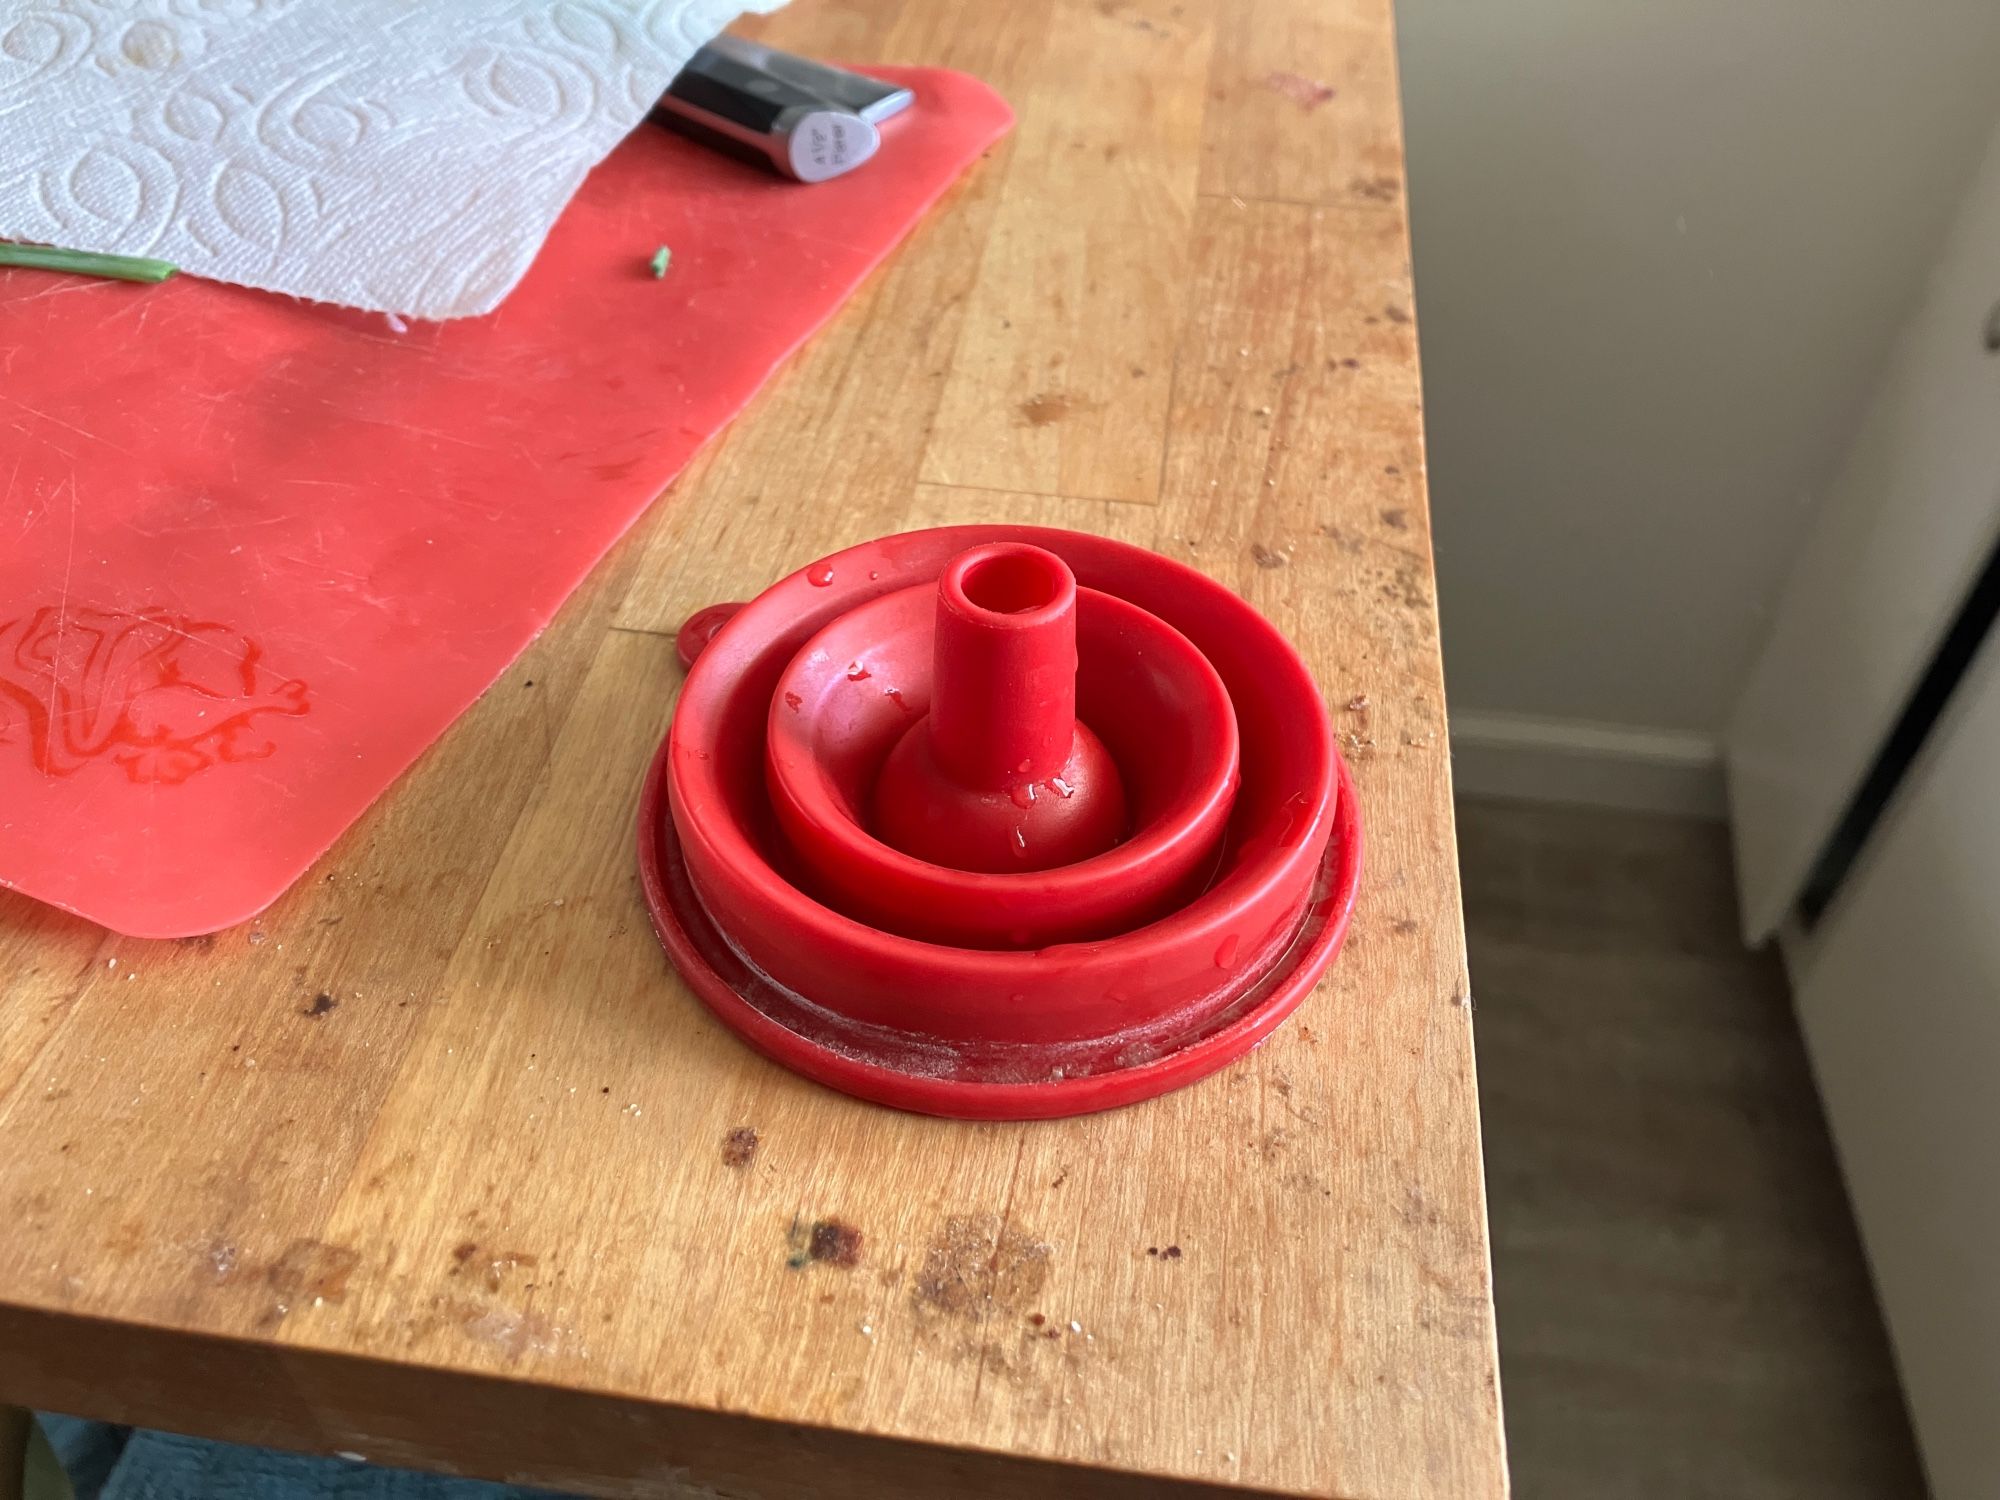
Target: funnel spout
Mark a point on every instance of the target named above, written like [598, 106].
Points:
[1003, 698]
[1000, 775]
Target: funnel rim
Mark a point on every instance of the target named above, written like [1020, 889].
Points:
[972, 589]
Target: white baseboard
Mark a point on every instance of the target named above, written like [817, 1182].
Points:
[1595, 765]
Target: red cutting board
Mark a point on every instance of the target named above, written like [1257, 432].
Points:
[255, 554]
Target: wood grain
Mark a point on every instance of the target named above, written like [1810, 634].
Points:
[442, 1136]
[1080, 310]
[1302, 106]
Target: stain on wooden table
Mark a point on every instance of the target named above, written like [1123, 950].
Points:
[438, 1162]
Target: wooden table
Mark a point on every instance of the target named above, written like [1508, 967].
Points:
[486, 1205]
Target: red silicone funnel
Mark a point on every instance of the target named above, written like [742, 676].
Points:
[776, 888]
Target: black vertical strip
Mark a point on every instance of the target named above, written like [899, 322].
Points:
[1913, 725]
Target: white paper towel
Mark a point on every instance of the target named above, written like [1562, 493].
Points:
[407, 156]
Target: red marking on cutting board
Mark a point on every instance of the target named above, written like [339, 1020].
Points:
[160, 695]
[388, 518]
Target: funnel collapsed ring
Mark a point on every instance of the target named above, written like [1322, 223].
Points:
[998, 822]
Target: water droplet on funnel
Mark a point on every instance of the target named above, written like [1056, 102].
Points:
[1020, 841]
[895, 695]
[873, 575]
[1226, 954]
[1023, 795]
[857, 673]
[819, 575]
[794, 702]
[1023, 767]
[1063, 788]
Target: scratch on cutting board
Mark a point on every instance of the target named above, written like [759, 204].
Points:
[50, 417]
[62, 607]
[443, 437]
[54, 291]
[172, 629]
[144, 304]
[213, 399]
[229, 524]
[31, 515]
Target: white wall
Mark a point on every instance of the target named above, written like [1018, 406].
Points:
[1661, 249]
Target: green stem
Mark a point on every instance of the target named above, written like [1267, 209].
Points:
[86, 262]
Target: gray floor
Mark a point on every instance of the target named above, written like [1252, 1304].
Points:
[1684, 1308]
